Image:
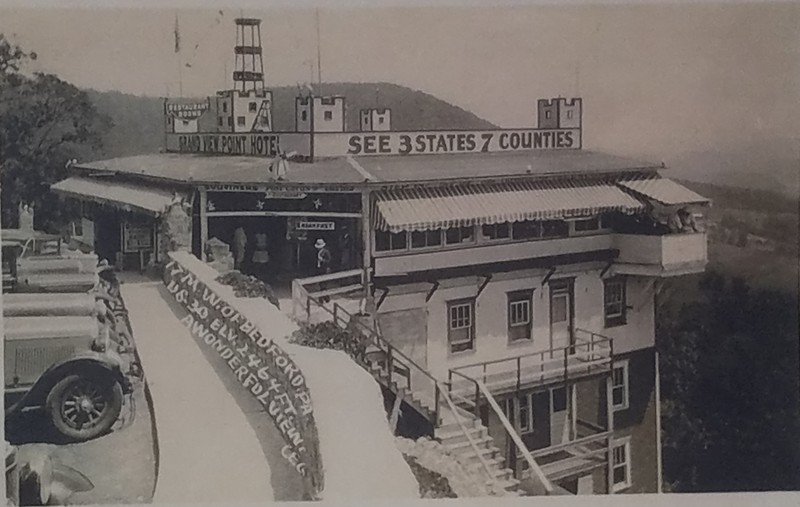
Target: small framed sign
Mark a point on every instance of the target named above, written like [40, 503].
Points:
[136, 237]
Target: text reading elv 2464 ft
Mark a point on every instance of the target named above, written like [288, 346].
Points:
[258, 364]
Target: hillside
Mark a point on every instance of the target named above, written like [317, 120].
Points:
[766, 165]
[138, 126]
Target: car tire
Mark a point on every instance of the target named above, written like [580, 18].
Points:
[84, 407]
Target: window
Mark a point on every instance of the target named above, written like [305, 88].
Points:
[328, 115]
[461, 325]
[526, 230]
[524, 422]
[380, 120]
[496, 231]
[559, 399]
[251, 107]
[240, 120]
[621, 465]
[230, 121]
[547, 114]
[220, 121]
[304, 116]
[458, 235]
[555, 229]
[569, 115]
[587, 224]
[619, 389]
[386, 241]
[520, 315]
[614, 301]
[224, 107]
[423, 239]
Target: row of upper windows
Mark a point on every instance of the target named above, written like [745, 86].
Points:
[517, 231]
[328, 115]
[519, 316]
[548, 114]
[252, 107]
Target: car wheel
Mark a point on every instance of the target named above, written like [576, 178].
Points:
[84, 407]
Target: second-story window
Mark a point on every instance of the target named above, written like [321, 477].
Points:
[461, 325]
[386, 241]
[614, 301]
[251, 107]
[328, 115]
[587, 224]
[527, 229]
[424, 239]
[520, 315]
[496, 231]
[621, 457]
[459, 235]
[555, 229]
[619, 391]
[240, 120]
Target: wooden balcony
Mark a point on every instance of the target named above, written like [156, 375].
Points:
[663, 256]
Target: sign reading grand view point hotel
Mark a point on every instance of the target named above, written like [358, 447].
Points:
[340, 144]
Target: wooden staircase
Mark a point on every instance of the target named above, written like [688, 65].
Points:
[459, 431]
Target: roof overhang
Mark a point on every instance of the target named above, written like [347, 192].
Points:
[125, 196]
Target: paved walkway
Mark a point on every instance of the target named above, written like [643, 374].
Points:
[208, 451]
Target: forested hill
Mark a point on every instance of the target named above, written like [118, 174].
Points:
[138, 122]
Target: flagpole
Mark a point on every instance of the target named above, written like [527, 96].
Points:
[178, 52]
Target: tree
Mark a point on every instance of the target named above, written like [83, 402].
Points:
[44, 123]
[731, 415]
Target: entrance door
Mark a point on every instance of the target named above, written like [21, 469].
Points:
[558, 415]
[561, 305]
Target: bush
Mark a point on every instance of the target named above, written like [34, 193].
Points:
[431, 484]
[327, 335]
[246, 286]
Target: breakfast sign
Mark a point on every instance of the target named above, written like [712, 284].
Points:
[259, 365]
[341, 144]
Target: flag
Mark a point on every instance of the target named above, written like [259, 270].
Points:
[177, 36]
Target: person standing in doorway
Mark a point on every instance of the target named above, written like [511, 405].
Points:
[323, 263]
[261, 256]
[239, 246]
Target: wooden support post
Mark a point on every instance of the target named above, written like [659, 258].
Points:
[395, 415]
[610, 427]
[658, 427]
[366, 248]
[203, 222]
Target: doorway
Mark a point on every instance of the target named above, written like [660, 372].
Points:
[561, 314]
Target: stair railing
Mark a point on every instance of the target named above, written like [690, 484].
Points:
[548, 486]
[465, 431]
[302, 298]
[481, 389]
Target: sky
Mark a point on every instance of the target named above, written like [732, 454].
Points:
[655, 79]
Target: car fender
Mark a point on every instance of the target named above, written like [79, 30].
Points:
[85, 362]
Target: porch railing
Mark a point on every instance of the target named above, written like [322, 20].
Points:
[590, 353]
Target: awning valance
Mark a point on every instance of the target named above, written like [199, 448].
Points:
[126, 196]
[437, 208]
[664, 191]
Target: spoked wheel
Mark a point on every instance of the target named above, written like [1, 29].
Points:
[83, 408]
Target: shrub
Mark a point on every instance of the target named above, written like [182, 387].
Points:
[431, 484]
[246, 286]
[327, 335]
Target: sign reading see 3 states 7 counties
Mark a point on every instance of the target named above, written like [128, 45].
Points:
[439, 142]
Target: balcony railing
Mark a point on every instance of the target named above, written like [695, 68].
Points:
[661, 255]
[590, 354]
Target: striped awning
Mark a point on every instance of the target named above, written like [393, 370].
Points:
[663, 191]
[126, 196]
[437, 208]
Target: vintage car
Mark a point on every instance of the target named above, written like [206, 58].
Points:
[61, 356]
[34, 261]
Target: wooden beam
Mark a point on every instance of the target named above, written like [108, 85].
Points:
[548, 275]
[610, 425]
[486, 280]
[395, 415]
[203, 222]
[434, 287]
[366, 249]
[385, 291]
